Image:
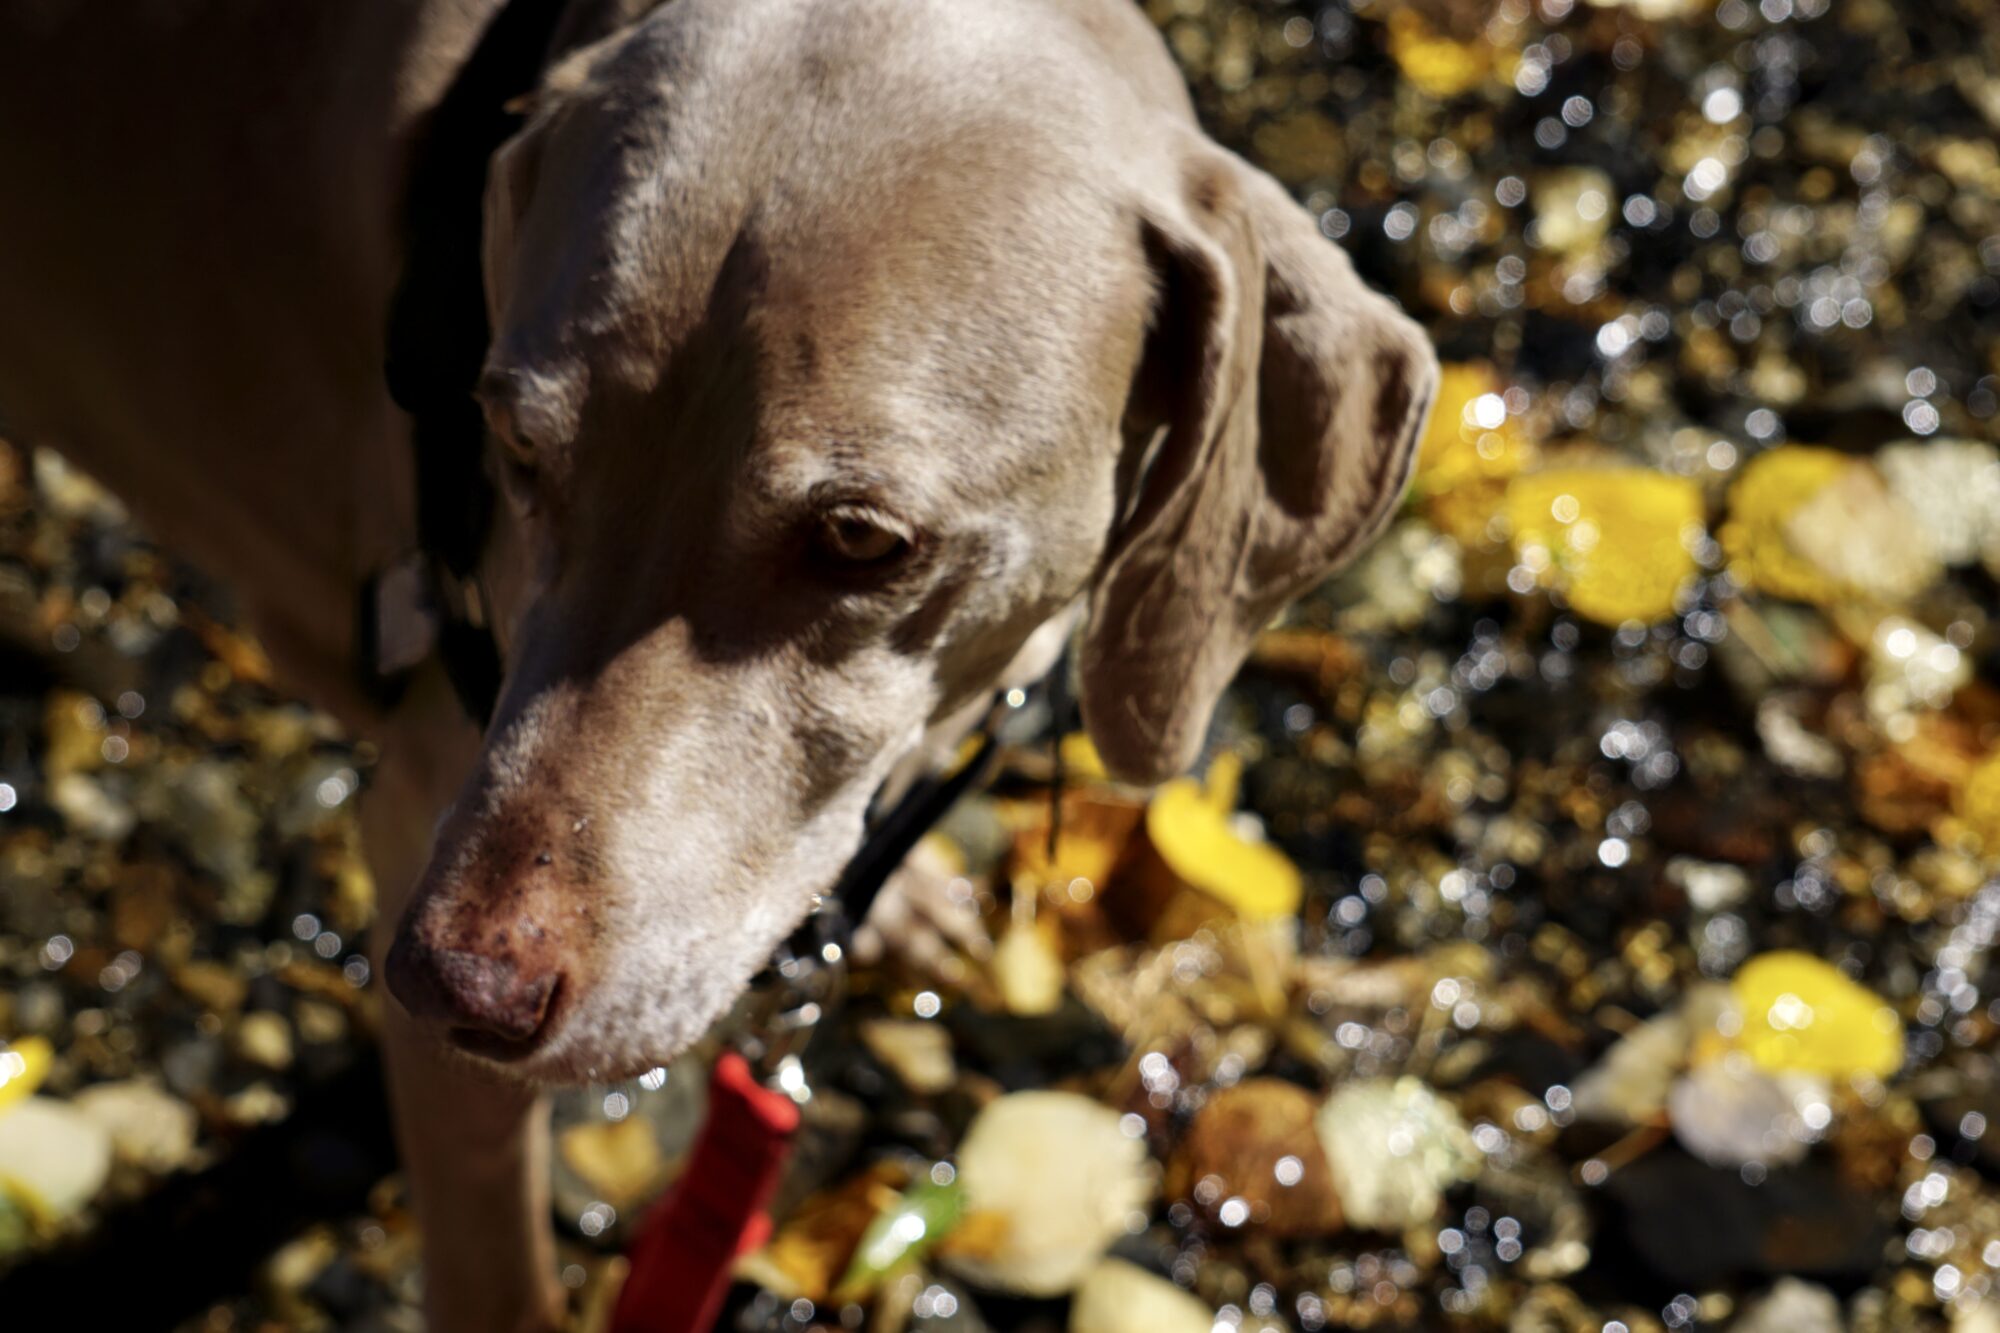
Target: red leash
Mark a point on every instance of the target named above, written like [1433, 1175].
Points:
[683, 1252]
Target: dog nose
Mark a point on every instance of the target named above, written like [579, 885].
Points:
[478, 996]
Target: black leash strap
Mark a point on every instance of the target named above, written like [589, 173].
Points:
[890, 841]
[437, 342]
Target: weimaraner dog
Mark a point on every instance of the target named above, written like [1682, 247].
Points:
[838, 347]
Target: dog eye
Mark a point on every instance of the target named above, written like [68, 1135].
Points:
[518, 480]
[860, 538]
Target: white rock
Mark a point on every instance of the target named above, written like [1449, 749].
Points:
[1121, 1297]
[1730, 1113]
[1792, 745]
[1862, 534]
[1711, 886]
[1630, 1083]
[1955, 486]
[1655, 10]
[54, 1153]
[90, 809]
[1910, 667]
[1064, 1174]
[265, 1038]
[149, 1126]
[1791, 1306]
[919, 1052]
[1573, 208]
[1027, 970]
[1982, 1318]
[71, 493]
[1393, 1147]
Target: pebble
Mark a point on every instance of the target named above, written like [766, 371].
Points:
[54, 1155]
[1791, 1306]
[918, 1052]
[1252, 1157]
[1393, 1146]
[619, 1160]
[1121, 1297]
[215, 986]
[265, 1038]
[1028, 970]
[1065, 1177]
[149, 1127]
[90, 808]
[1729, 1113]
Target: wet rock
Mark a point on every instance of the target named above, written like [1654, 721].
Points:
[293, 1268]
[1803, 1015]
[1730, 1114]
[1031, 1051]
[918, 1052]
[1710, 886]
[1630, 1083]
[1966, 1123]
[1028, 969]
[149, 1127]
[1791, 1306]
[38, 1008]
[1393, 1146]
[619, 1161]
[265, 1038]
[1059, 1178]
[54, 1154]
[1252, 1157]
[320, 1023]
[1121, 1297]
[91, 807]
[204, 802]
[216, 986]
[143, 905]
[1696, 1226]
[192, 1065]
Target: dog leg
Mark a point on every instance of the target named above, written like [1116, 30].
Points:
[474, 1150]
[475, 1153]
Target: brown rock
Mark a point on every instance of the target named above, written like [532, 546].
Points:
[1252, 1138]
[142, 906]
[214, 986]
[620, 1160]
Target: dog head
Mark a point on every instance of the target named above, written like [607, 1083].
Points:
[839, 348]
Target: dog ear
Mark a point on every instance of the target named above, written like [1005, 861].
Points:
[510, 184]
[532, 411]
[1280, 401]
[584, 22]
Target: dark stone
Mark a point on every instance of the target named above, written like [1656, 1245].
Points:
[1038, 1052]
[1691, 1227]
[1966, 1125]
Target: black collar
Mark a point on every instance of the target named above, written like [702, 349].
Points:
[437, 342]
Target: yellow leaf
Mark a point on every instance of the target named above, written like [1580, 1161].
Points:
[1433, 62]
[1803, 1015]
[1190, 828]
[1617, 542]
[1081, 760]
[1977, 803]
[1471, 437]
[1774, 486]
[23, 1066]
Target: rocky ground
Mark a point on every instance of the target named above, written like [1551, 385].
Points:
[1583, 918]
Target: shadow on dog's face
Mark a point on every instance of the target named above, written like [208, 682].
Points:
[823, 377]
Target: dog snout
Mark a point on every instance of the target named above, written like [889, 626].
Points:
[494, 1005]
